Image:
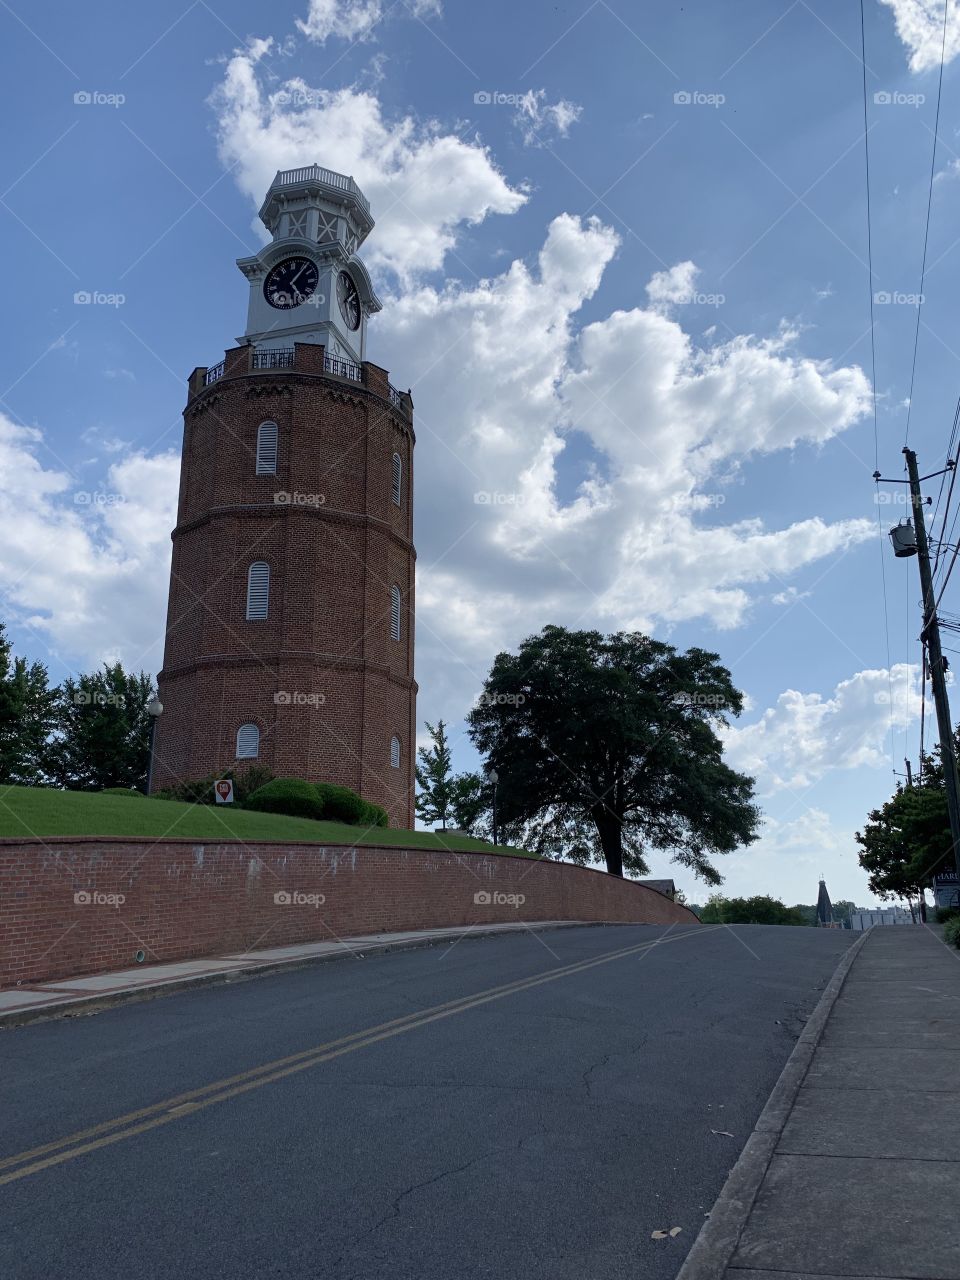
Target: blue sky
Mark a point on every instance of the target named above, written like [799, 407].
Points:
[641, 322]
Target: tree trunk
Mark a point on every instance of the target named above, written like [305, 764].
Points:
[610, 830]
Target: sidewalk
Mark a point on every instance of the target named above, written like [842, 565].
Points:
[121, 986]
[862, 1176]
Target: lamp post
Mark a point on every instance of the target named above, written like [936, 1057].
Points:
[494, 779]
[154, 711]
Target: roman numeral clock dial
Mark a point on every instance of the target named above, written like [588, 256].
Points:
[349, 300]
[291, 283]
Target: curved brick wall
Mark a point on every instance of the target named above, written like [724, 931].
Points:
[182, 899]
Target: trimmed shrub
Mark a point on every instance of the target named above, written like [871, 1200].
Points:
[340, 804]
[947, 913]
[375, 816]
[122, 791]
[951, 932]
[200, 791]
[291, 796]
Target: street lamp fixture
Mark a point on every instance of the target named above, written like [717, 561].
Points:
[154, 711]
[494, 779]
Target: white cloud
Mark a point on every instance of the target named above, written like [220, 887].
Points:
[87, 569]
[540, 120]
[790, 596]
[356, 19]
[920, 27]
[672, 287]
[805, 735]
[423, 183]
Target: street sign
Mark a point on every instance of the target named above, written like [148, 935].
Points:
[223, 790]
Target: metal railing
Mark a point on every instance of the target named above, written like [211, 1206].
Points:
[395, 397]
[214, 373]
[278, 358]
[316, 173]
[343, 368]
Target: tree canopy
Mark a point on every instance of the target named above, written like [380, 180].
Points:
[607, 746]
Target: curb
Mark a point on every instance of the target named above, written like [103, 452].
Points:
[720, 1234]
[88, 1005]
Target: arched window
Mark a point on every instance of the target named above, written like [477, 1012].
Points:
[395, 612]
[258, 591]
[248, 742]
[395, 752]
[397, 490]
[267, 436]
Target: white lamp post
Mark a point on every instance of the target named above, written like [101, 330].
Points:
[154, 711]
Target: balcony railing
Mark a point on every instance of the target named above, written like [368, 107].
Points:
[342, 368]
[278, 358]
[395, 397]
[213, 374]
[316, 173]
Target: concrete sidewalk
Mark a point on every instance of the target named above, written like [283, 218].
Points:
[863, 1179]
[88, 993]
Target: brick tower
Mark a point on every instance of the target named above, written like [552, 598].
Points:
[290, 630]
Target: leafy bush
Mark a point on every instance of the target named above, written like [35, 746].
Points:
[376, 816]
[340, 804]
[122, 791]
[951, 932]
[947, 913]
[200, 791]
[291, 796]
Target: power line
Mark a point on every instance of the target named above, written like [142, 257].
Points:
[926, 232]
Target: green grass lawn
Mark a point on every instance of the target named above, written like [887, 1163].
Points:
[42, 811]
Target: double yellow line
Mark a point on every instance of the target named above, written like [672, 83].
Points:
[159, 1113]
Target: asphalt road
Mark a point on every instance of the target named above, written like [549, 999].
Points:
[431, 1125]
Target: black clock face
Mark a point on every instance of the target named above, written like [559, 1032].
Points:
[290, 283]
[349, 300]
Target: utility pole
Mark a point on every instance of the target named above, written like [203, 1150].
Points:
[931, 633]
[909, 772]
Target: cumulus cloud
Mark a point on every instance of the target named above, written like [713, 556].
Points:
[424, 184]
[356, 19]
[72, 556]
[920, 27]
[666, 289]
[806, 735]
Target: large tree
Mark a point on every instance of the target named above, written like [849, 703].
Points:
[104, 730]
[760, 909]
[906, 841]
[606, 746]
[27, 716]
[443, 794]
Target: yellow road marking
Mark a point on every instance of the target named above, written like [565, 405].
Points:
[160, 1113]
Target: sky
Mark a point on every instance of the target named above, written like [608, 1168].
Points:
[623, 256]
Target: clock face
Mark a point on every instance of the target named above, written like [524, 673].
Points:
[290, 283]
[349, 300]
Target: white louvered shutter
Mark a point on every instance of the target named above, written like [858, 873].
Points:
[258, 591]
[395, 612]
[267, 437]
[248, 742]
[395, 752]
[397, 479]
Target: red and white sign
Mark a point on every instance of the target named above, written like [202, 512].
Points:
[223, 790]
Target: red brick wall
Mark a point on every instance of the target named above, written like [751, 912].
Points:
[332, 562]
[184, 899]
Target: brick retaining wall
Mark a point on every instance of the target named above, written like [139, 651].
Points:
[183, 899]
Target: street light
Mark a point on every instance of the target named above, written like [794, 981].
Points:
[494, 778]
[154, 711]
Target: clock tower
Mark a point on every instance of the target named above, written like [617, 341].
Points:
[289, 638]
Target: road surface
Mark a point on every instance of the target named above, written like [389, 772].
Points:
[524, 1107]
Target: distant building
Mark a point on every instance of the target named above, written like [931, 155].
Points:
[824, 907]
[666, 887]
